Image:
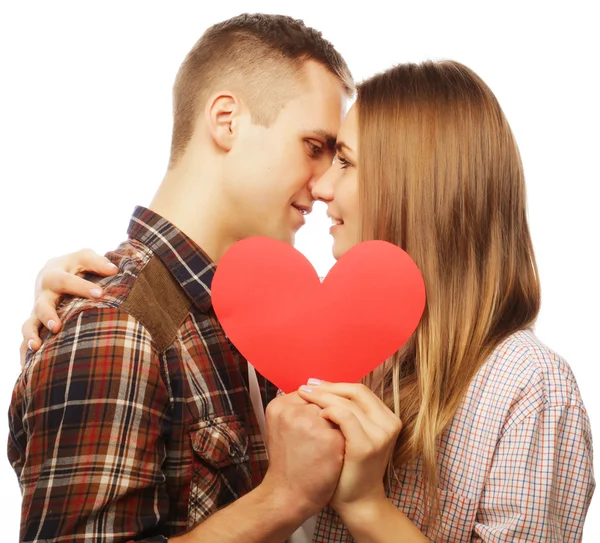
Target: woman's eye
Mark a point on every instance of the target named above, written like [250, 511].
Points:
[342, 162]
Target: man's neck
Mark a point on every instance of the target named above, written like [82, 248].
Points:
[192, 205]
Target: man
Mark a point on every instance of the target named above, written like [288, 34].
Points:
[135, 420]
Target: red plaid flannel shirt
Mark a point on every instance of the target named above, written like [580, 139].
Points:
[134, 422]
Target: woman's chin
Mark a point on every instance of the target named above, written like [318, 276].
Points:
[339, 248]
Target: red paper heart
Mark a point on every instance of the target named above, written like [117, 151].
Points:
[290, 326]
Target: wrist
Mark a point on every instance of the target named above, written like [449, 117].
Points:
[263, 514]
[375, 519]
[365, 510]
[289, 509]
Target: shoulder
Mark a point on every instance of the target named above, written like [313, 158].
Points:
[144, 289]
[92, 333]
[131, 257]
[526, 377]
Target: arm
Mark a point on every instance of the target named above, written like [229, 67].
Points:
[88, 423]
[260, 516]
[374, 522]
[541, 481]
[305, 460]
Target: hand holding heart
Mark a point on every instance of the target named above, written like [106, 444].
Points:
[370, 430]
[289, 325]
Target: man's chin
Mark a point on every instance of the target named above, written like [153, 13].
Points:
[288, 237]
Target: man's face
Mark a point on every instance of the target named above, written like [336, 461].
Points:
[270, 170]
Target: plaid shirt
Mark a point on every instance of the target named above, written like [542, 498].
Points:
[516, 461]
[135, 421]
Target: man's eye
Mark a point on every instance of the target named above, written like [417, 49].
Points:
[314, 150]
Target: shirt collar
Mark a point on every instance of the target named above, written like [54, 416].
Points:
[189, 264]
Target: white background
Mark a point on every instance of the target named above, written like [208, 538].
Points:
[85, 121]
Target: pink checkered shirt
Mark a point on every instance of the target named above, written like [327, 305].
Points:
[516, 461]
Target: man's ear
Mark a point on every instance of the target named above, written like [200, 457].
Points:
[221, 116]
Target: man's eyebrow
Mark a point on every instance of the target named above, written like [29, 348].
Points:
[327, 136]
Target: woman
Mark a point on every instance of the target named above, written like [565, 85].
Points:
[475, 430]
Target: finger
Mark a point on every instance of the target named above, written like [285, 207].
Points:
[325, 399]
[30, 331]
[357, 440]
[313, 410]
[357, 393]
[380, 422]
[87, 260]
[45, 310]
[61, 282]
[23, 353]
[277, 405]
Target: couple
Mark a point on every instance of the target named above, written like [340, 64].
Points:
[136, 418]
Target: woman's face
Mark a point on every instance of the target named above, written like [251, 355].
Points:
[338, 187]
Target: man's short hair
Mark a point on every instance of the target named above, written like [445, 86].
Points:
[257, 55]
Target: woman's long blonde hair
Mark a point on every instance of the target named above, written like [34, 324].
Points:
[440, 176]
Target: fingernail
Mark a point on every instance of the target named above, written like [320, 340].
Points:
[51, 324]
[96, 292]
[29, 344]
[314, 382]
[304, 388]
[111, 265]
